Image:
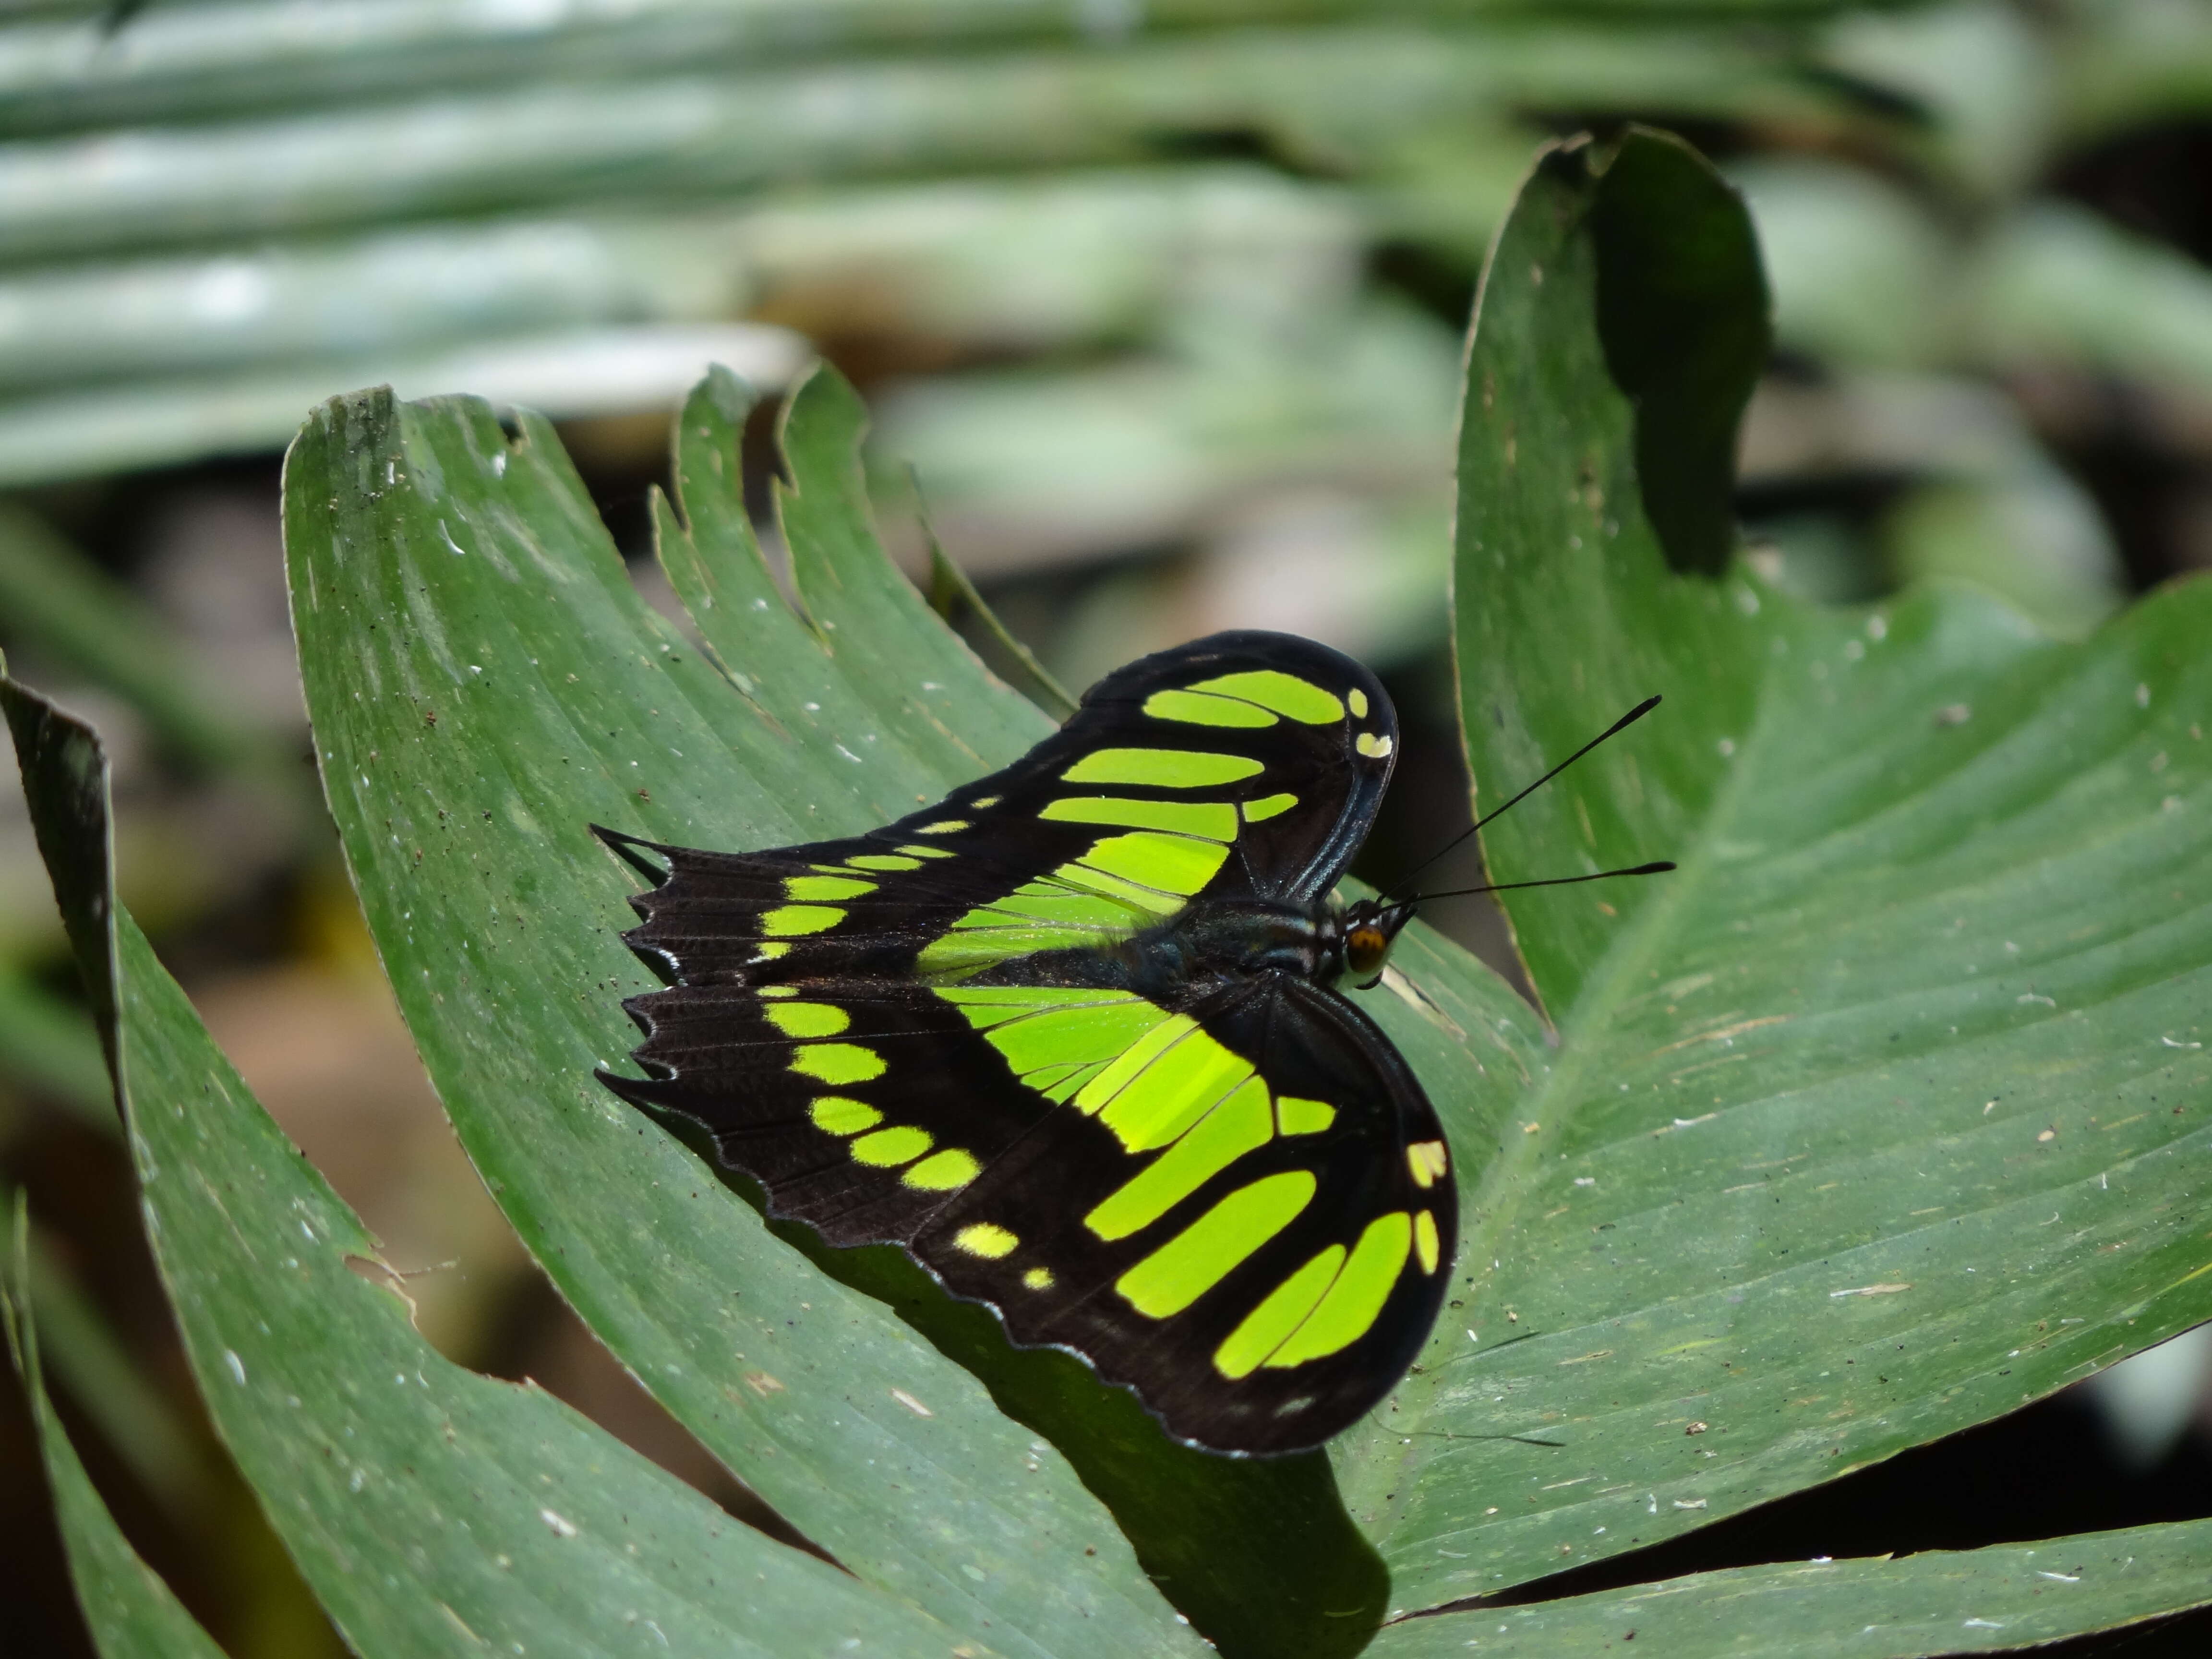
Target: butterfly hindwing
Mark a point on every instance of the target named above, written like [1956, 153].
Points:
[861, 1105]
[1240, 1204]
[1248, 1215]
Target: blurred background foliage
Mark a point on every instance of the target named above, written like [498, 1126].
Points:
[1161, 304]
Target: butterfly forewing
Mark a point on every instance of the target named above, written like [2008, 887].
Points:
[1227, 1192]
[1246, 766]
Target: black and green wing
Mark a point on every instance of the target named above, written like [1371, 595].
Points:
[1232, 1197]
[1247, 765]
[1236, 1201]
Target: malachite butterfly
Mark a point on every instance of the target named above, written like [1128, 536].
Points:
[1071, 1037]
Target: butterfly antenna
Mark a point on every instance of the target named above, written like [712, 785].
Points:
[1660, 867]
[1618, 726]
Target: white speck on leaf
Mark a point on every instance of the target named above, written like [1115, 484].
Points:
[237, 1366]
[560, 1525]
[911, 1403]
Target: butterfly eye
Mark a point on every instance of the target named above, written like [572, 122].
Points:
[1365, 949]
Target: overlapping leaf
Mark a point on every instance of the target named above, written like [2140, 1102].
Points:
[485, 684]
[1998, 1600]
[1890, 1111]
[432, 1510]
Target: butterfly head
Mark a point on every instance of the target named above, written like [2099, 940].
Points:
[1370, 928]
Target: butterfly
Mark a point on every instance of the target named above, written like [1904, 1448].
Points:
[1076, 1038]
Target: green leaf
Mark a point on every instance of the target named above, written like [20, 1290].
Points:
[117, 426]
[2060, 284]
[432, 1510]
[2002, 1599]
[1860, 266]
[131, 1613]
[1886, 1113]
[185, 63]
[712, 130]
[484, 683]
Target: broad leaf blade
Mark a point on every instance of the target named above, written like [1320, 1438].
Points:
[432, 1510]
[2001, 1599]
[439, 571]
[1887, 1113]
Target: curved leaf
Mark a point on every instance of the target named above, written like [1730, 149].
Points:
[1889, 1111]
[1999, 1600]
[432, 1510]
[484, 683]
